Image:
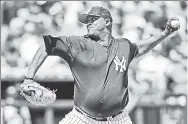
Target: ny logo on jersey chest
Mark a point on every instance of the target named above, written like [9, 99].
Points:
[121, 64]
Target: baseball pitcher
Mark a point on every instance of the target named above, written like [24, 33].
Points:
[99, 64]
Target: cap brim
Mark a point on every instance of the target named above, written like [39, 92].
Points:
[83, 17]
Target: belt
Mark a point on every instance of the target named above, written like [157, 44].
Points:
[97, 118]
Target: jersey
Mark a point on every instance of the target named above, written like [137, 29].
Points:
[100, 72]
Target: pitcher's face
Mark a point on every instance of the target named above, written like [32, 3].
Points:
[95, 25]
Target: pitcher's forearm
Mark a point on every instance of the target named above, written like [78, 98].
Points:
[37, 61]
[146, 45]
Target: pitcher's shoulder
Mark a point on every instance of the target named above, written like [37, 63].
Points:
[123, 40]
[79, 38]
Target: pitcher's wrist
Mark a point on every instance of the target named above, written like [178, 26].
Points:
[28, 77]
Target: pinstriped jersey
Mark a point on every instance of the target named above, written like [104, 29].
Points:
[100, 72]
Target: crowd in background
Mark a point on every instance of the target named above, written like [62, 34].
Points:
[24, 23]
[161, 72]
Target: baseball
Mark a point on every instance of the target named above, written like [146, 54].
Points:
[175, 23]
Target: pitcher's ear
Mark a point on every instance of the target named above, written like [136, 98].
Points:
[108, 22]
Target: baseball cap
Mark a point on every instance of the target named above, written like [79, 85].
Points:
[96, 12]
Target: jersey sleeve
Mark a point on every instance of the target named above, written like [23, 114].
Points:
[133, 50]
[64, 46]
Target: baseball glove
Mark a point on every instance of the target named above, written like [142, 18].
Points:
[36, 94]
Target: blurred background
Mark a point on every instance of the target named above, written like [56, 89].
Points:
[157, 81]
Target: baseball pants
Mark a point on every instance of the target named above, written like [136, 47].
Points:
[74, 117]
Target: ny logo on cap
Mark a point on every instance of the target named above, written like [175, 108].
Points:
[121, 63]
